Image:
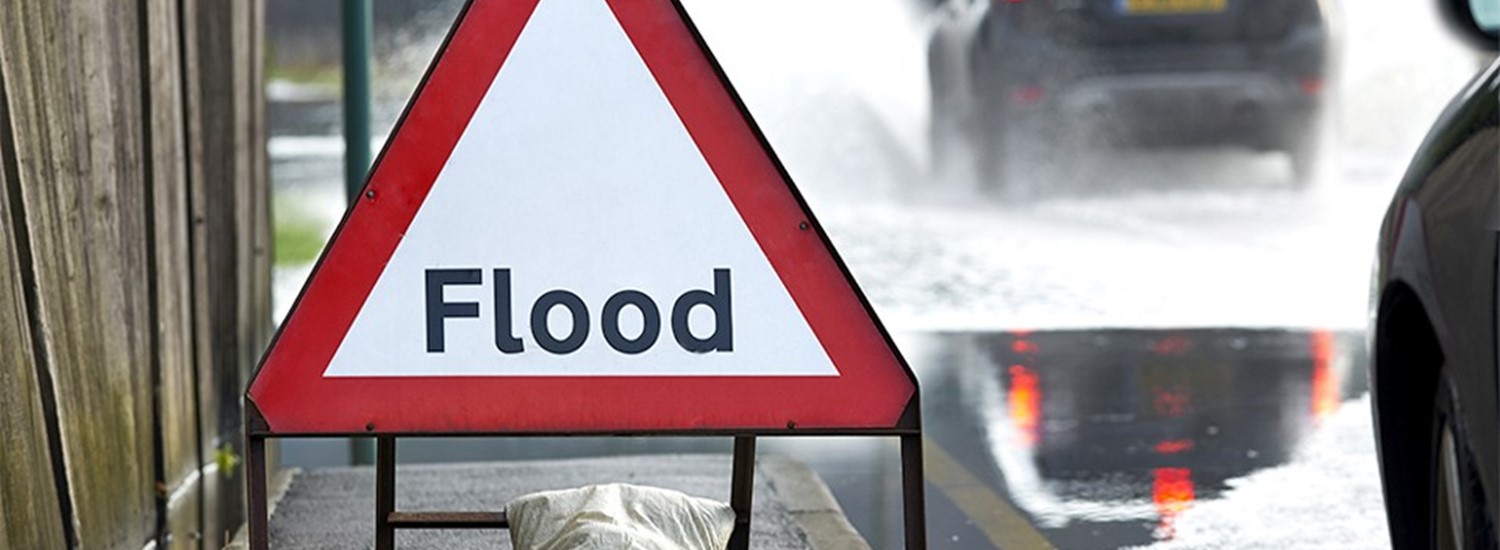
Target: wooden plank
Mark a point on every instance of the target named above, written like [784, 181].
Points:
[29, 510]
[73, 92]
[230, 233]
[177, 409]
[261, 324]
[217, 520]
[138, 172]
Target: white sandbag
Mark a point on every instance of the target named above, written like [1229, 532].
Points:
[618, 517]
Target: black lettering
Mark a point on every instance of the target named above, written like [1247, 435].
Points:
[543, 334]
[505, 338]
[650, 321]
[720, 303]
[437, 309]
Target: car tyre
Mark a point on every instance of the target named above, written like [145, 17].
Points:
[1457, 516]
[1307, 149]
[1304, 159]
[1006, 168]
[950, 151]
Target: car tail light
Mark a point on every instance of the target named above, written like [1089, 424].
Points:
[1027, 95]
[1310, 85]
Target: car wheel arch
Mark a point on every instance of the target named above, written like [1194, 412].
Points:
[1408, 360]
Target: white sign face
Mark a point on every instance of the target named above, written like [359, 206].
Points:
[576, 230]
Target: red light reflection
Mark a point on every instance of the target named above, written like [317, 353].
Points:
[1024, 346]
[1025, 399]
[1325, 382]
[1173, 345]
[1172, 493]
[1174, 446]
[1171, 403]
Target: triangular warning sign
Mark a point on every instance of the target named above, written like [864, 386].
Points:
[576, 227]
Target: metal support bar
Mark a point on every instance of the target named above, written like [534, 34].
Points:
[385, 492]
[741, 491]
[449, 520]
[356, 32]
[356, 23]
[255, 477]
[388, 520]
[914, 501]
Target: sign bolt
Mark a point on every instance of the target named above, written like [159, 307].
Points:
[802, 226]
[791, 424]
[369, 426]
[370, 194]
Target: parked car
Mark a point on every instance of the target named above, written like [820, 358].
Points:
[1434, 329]
[1022, 83]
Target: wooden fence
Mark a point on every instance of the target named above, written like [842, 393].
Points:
[134, 268]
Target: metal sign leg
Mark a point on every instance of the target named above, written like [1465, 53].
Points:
[742, 488]
[255, 477]
[385, 492]
[914, 502]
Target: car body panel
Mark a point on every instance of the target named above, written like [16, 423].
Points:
[1018, 85]
[1438, 240]
[1100, 69]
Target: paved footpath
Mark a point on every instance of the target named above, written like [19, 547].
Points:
[332, 508]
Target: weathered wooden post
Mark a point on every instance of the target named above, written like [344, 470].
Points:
[134, 267]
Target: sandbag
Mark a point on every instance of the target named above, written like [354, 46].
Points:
[618, 516]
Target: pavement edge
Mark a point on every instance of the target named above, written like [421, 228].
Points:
[811, 504]
[280, 483]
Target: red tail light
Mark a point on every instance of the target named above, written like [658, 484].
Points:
[1311, 85]
[1027, 95]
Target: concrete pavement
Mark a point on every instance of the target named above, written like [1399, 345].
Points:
[334, 507]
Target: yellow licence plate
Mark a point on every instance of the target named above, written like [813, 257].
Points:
[1172, 7]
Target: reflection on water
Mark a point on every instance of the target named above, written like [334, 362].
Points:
[1127, 429]
[1171, 492]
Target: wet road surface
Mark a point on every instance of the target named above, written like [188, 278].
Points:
[1082, 439]
[1108, 439]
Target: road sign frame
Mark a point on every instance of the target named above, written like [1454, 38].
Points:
[907, 428]
[388, 519]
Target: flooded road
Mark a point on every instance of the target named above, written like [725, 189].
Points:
[1109, 439]
[1081, 439]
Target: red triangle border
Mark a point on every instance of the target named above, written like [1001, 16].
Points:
[875, 387]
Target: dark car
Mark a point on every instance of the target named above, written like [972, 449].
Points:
[1026, 82]
[1435, 296]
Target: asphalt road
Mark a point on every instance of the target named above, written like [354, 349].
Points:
[1082, 439]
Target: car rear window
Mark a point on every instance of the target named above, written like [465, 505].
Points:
[1148, 22]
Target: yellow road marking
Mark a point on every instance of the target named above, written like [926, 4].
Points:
[1005, 526]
